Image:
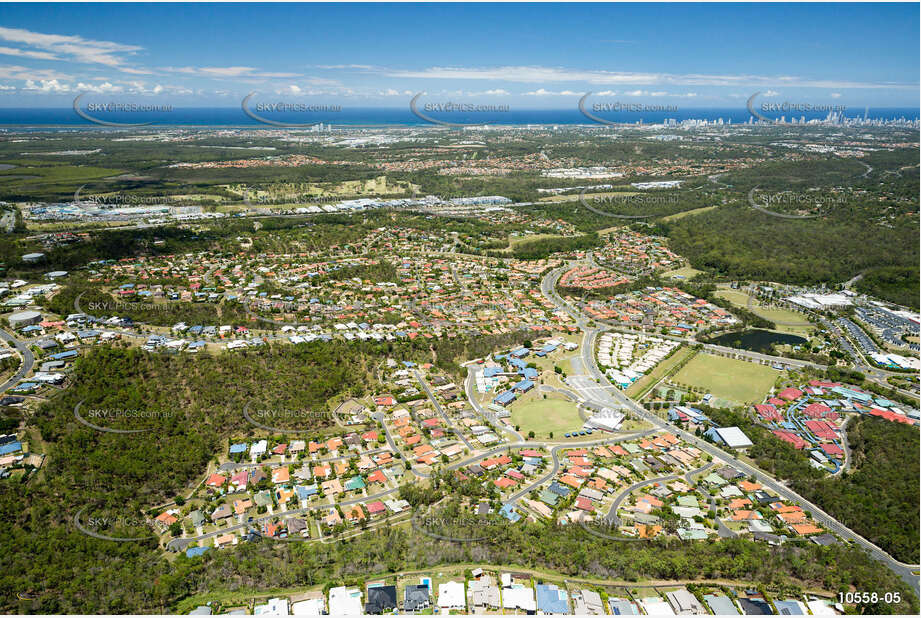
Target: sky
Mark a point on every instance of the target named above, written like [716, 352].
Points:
[542, 56]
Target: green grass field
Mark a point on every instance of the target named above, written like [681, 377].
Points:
[727, 378]
[795, 324]
[639, 388]
[545, 415]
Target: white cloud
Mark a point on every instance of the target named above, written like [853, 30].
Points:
[10, 71]
[22, 53]
[47, 86]
[71, 47]
[771, 93]
[227, 72]
[542, 92]
[835, 95]
[537, 74]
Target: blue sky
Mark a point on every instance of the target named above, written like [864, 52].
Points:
[535, 55]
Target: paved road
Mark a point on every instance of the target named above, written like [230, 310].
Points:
[490, 417]
[615, 396]
[232, 465]
[555, 458]
[612, 512]
[606, 394]
[447, 420]
[28, 360]
[179, 544]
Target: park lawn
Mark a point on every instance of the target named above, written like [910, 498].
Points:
[728, 378]
[640, 387]
[542, 416]
[795, 324]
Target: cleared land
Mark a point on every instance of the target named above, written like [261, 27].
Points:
[687, 272]
[686, 213]
[786, 321]
[545, 415]
[728, 378]
[639, 388]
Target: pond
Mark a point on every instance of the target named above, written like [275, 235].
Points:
[756, 340]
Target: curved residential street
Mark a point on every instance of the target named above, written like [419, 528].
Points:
[595, 386]
[28, 360]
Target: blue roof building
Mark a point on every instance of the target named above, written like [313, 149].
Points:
[552, 600]
[505, 398]
[11, 447]
[517, 363]
[529, 373]
[305, 492]
[508, 511]
[238, 448]
[65, 355]
[524, 386]
[849, 394]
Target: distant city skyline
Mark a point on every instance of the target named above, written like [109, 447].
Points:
[535, 56]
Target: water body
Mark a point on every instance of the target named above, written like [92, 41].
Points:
[756, 340]
[395, 116]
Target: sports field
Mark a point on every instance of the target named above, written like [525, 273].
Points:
[728, 378]
[639, 388]
[545, 415]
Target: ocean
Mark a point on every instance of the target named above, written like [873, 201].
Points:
[235, 117]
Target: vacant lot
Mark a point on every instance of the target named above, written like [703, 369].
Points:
[686, 272]
[727, 378]
[786, 321]
[545, 415]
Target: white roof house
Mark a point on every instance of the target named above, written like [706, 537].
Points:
[258, 448]
[310, 607]
[451, 596]
[345, 602]
[732, 437]
[519, 597]
[274, 607]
